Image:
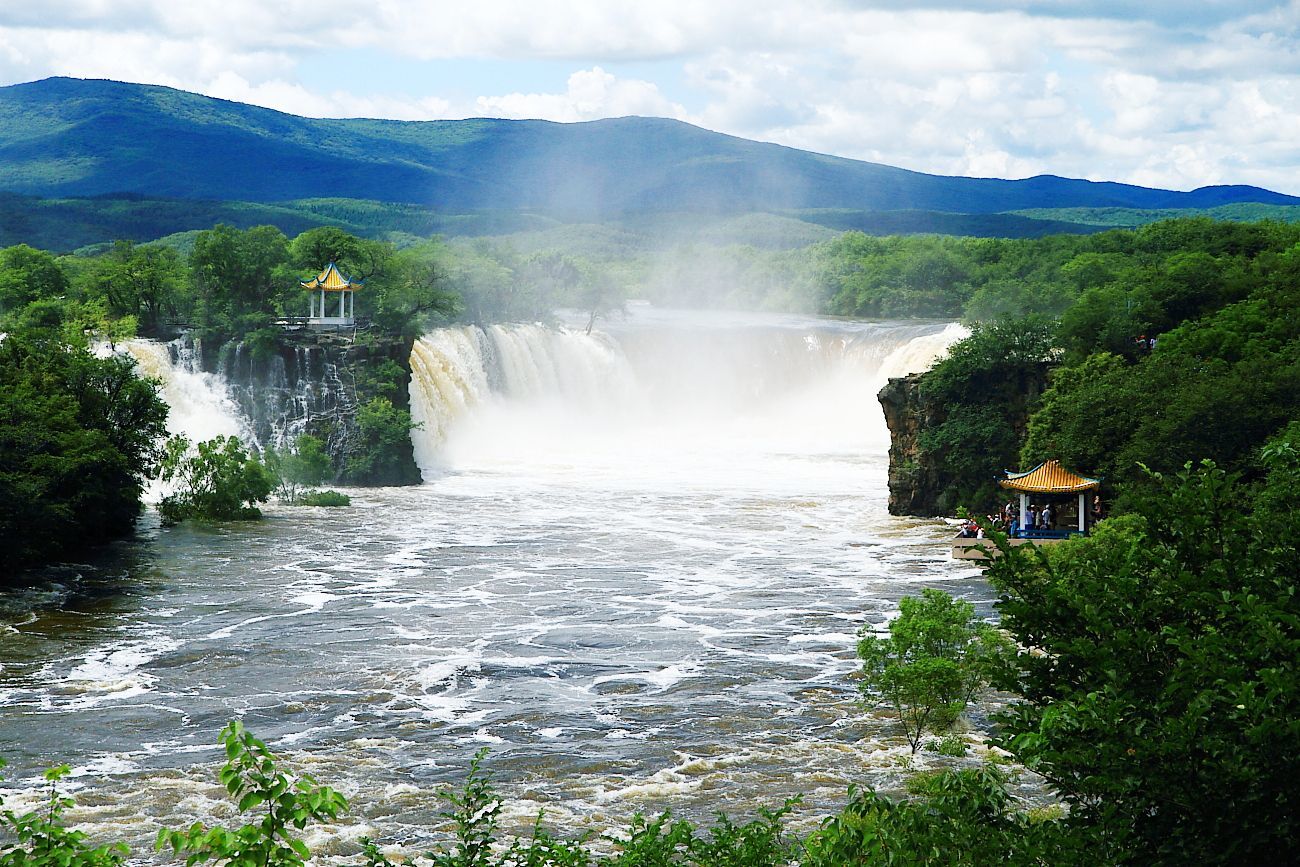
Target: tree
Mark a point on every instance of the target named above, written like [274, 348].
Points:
[316, 248]
[936, 659]
[241, 277]
[956, 818]
[141, 281]
[413, 292]
[1157, 666]
[28, 274]
[305, 466]
[381, 454]
[216, 480]
[78, 437]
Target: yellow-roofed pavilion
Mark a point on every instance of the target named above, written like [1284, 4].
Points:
[328, 281]
[1050, 477]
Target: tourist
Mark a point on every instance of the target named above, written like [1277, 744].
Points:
[1047, 517]
[1031, 522]
[1096, 508]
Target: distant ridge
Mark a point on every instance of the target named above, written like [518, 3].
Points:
[63, 137]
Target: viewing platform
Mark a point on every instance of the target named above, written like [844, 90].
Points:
[1060, 517]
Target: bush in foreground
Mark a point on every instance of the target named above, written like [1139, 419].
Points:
[216, 480]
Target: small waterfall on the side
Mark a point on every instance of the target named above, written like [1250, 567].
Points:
[201, 407]
[700, 392]
[282, 391]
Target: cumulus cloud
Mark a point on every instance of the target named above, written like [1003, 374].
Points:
[1164, 93]
[591, 94]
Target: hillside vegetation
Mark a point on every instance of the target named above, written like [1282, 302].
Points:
[1176, 342]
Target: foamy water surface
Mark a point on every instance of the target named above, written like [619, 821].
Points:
[638, 602]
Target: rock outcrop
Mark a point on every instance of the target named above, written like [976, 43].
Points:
[314, 384]
[915, 484]
[920, 482]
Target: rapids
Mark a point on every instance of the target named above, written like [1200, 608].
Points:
[635, 571]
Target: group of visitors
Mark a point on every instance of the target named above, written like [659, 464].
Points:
[1009, 520]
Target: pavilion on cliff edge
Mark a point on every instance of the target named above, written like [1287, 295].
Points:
[328, 282]
[1053, 505]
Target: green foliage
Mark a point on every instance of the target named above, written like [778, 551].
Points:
[79, 435]
[414, 292]
[1215, 387]
[241, 279]
[936, 659]
[381, 453]
[1157, 668]
[979, 392]
[217, 480]
[26, 275]
[306, 466]
[40, 838]
[285, 805]
[962, 817]
[324, 498]
[145, 282]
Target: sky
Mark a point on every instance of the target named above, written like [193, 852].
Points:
[1166, 93]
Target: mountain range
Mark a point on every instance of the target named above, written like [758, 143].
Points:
[72, 139]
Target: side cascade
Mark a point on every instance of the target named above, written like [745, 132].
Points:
[281, 392]
[201, 407]
[502, 394]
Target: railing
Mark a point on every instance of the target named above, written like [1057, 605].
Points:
[300, 323]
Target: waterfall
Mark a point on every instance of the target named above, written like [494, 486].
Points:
[282, 391]
[703, 389]
[200, 405]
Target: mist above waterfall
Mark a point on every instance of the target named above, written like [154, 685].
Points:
[700, 398]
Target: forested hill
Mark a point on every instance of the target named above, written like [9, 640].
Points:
[68, 137]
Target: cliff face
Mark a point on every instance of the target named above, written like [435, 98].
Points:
[315, 384]
[936, 481]
[915, 483]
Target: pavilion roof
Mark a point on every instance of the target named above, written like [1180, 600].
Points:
[331, 280]
[1049, 477]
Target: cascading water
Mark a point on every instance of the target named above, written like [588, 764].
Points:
[201, 406]
[281, 392]
[692, 403]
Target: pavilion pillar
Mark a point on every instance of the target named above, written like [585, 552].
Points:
[1083, 516]
[1024, 509]
[322, 304]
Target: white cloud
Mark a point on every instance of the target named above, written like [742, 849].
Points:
[591, 94]
[1169, 93]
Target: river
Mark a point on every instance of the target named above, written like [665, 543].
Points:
[635, 572]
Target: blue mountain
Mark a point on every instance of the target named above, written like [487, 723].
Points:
[63, 137]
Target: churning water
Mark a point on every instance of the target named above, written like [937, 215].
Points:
[635, 571]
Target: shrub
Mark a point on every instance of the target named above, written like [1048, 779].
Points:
[936, 658]
[324, 498]
[216, 480]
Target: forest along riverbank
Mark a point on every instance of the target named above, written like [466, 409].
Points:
[640, 586]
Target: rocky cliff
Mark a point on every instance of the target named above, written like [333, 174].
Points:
[925, 482]
[915, 485]
[316, 384]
